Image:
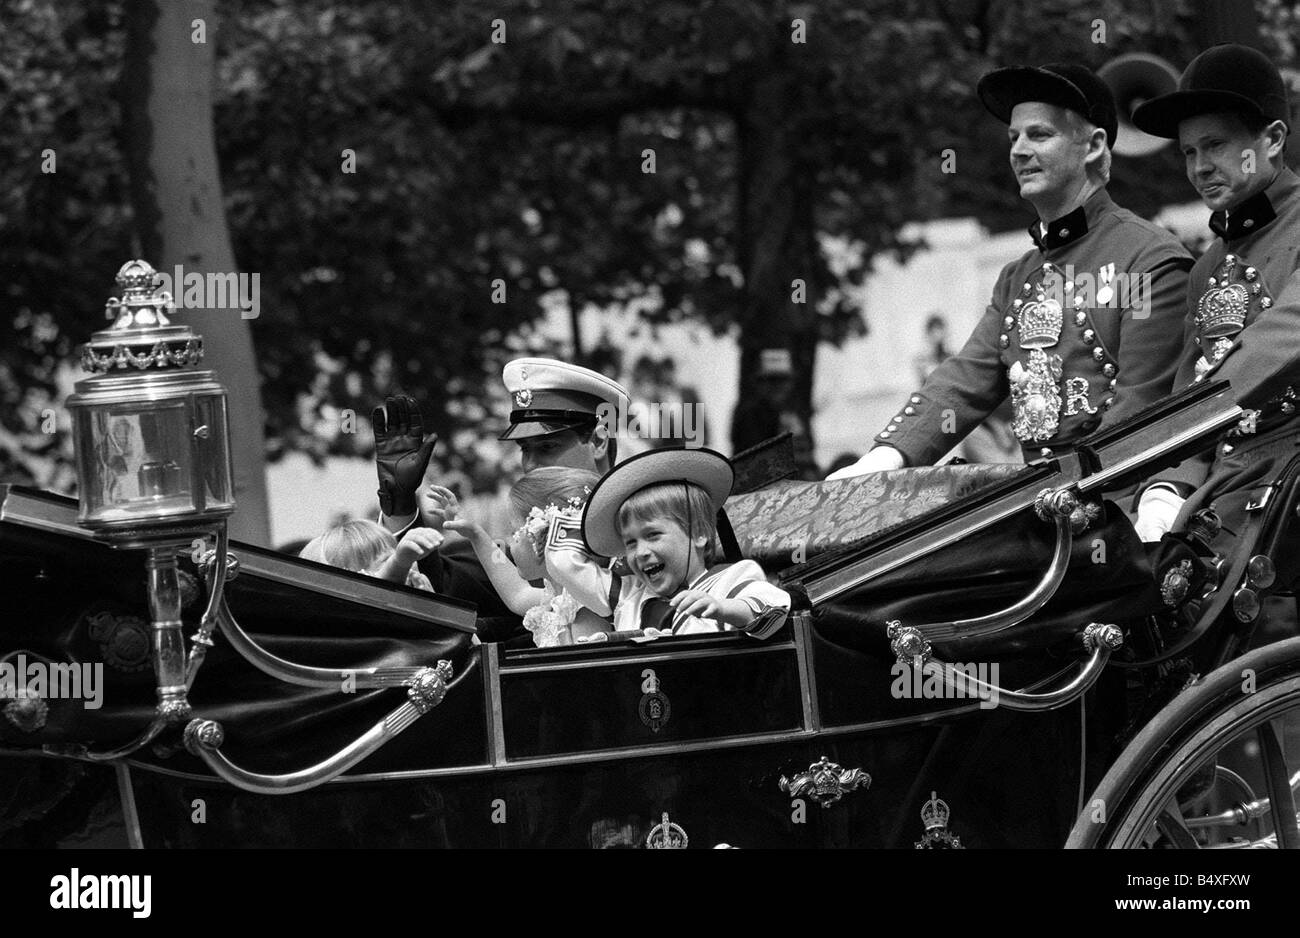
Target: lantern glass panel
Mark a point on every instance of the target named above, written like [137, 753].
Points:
[213, 450]
[139, 463]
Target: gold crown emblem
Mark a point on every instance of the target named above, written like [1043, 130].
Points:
[1221, 310]
[1040, 323]
[934, 815]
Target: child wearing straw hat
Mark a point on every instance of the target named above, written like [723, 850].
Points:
[658, 510]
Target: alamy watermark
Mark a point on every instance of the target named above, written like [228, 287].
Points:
[23, 679]
[653, 420]
[932, 681]
[229, 290]
[78, 890]
[1100, 289]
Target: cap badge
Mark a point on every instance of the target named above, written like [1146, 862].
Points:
[523, 398]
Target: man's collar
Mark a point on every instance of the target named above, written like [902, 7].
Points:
[1257, 211]
[1072, 226]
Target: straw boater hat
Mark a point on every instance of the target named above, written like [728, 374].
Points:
[709, 470]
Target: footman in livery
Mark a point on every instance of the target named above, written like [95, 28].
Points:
[1084, 330]
[1231, 118]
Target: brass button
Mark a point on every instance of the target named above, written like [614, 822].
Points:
[1080, 318]
[1248, 223]
[1004, 340]
[1089, 336]
[909, 410]
[1099, 354]
[1109, 371]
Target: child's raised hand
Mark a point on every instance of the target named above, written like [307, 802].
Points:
[438, 505]
[697, 603]
[418, 580]
[468, 527]
[417, 543]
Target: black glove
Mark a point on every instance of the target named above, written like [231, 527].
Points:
[402, 454]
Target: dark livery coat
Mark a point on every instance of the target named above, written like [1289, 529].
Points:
[1112, 364]
[1261, 358]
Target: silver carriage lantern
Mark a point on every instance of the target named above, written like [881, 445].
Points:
[150, 430]
[153, 466]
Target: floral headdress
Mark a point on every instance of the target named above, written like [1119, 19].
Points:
[539, 522]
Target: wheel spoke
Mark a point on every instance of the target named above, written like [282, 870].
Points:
[1173, 830]
[1281, 800]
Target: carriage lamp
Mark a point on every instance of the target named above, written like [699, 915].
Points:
[152, 448]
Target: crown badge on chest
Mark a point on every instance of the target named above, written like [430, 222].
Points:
[1039, 315]
[1223, 307]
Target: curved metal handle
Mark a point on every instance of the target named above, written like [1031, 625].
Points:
[1099, 640]
[1021, 610]
[203, 738]
[302, 674]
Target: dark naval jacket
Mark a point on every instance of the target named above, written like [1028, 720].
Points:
[1082, 332]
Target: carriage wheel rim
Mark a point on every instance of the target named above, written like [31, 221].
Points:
[1148, 800]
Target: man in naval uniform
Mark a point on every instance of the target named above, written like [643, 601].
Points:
[1084, 330]
[556, 420]
[1231, 118]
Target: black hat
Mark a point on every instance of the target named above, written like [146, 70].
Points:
[1069, 86]
[1222, 78]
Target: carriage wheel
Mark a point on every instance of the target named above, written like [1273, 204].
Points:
[1170, 788]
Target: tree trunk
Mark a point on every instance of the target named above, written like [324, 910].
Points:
[776, 245]
[179, 216]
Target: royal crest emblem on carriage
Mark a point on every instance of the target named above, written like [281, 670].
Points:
[667, 836]
[935, 816]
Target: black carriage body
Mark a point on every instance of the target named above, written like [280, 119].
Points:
[611, 744]
[570, 747]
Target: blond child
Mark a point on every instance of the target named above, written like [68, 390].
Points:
[368, 547]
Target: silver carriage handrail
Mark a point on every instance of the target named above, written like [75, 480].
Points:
[203, 738]
[1099, 640]
[1021, 610]
[215, 565]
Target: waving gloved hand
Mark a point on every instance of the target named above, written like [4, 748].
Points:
[402, 454]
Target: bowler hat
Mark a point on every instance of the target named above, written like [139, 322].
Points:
[1226, 77]
[1066, 85]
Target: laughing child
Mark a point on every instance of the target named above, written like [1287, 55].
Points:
[658, 510]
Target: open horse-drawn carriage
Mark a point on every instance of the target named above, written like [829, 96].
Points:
[980, 656]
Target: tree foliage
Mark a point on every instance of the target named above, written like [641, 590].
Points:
[521, 164]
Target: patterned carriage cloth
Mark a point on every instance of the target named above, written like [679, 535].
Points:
[772, 523]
